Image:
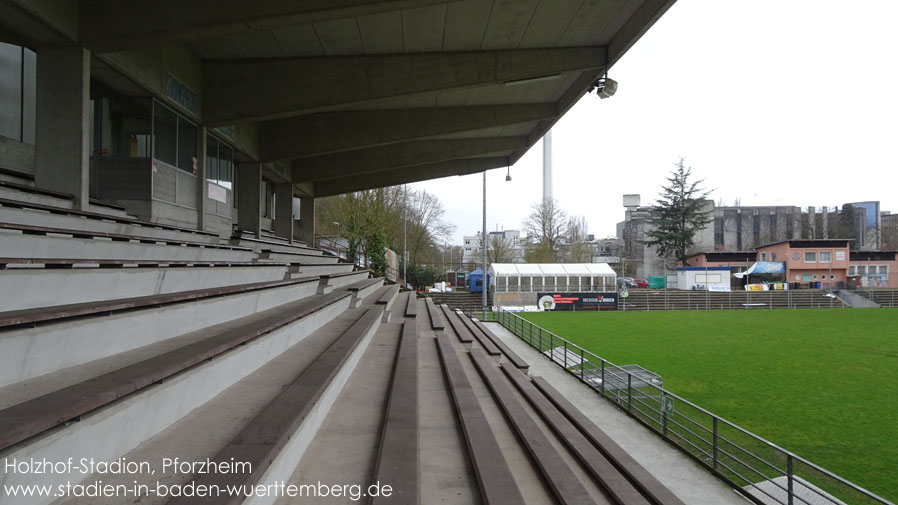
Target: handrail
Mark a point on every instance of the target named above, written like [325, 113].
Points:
[719, 460]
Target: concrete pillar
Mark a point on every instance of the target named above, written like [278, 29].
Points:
[283, 213]
[62, 137]
[307, 220]
[202, 185]
[249, 198]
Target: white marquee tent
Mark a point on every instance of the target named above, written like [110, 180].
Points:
[551, 277]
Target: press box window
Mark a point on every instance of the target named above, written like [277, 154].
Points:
[826, 257]
[810, 257]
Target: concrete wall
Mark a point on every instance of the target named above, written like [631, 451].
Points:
[150, 67]
[514, 299]
[16, 156]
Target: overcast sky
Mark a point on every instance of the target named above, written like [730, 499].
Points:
[774, 102]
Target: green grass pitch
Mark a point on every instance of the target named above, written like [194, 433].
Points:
[821, 383]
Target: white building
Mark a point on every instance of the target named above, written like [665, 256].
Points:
[472, 254]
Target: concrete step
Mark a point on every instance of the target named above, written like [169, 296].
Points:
[345, 449]
[123, 425]
[20, 241]
[318, 269]
[40, 287]
[214, 426]
[83, 346]
[292, 257]
[46, 216]
[262, 245]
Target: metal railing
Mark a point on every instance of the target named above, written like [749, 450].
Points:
[764, 472]
[674, 299]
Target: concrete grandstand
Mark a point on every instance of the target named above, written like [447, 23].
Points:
[167, 326]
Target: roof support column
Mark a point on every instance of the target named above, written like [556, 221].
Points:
[283, 221]
[62, 137]
[307, 220]
[202, 184]
[249, 198]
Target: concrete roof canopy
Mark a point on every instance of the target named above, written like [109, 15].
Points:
[358, 94]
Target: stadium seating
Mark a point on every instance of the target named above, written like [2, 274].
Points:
[119, 344]
[671, 299]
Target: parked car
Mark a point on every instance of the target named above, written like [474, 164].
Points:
[626, 282]
[641, 283]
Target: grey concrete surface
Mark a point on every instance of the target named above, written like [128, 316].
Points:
[204, 432]
[34, 217]
[689, 481]
[114, 430]
[344, 450]
[39, 287]
[27, 354]
[18, 245]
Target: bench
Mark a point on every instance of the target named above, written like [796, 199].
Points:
[32, 417]
[100, 218]
[57, 312]
[487, 344]
[561, 478]
[464, 336]
[46, 242]
[436, 322]
[495, 480]
[388, 295]
[647, 483]
[411, 305]
[511, 355]
[397, 458]
[330, 282]
[603, 471]
[45, 282]
[260, 442]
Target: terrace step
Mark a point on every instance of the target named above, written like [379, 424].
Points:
[217, 425]
[24, 241]
[61, 282]
[33, 214]
[32, 340]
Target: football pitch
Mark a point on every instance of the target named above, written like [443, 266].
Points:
[821, 383]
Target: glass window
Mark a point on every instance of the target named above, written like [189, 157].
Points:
[826, 257]
[186, 145]
[862, 269]
[165, 134]
[763, 256]
[11, 91]
[815, 277]
[852, 270]
[883, 269]
[810, 257]
[219, 162]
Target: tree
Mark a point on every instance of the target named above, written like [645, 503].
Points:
[678, 214]
[377, 250]
[546, 227]
[498, 250]
[577, 248]
[847, 227]
[426, 224]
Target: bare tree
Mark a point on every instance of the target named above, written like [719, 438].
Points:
[546, 227]
[498, 250]
[577, 248]
[426, 223]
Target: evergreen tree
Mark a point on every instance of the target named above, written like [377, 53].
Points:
[678, 214]
[377, 250]
[847, 227]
